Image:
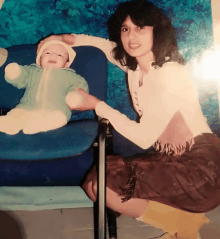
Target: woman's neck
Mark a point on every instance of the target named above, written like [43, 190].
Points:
[145, 62]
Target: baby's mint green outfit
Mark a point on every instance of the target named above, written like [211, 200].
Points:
[46, 88]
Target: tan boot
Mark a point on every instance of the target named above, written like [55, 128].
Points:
[3, 56]
[178, 223]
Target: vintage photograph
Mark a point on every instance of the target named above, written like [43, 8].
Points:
[109, 119]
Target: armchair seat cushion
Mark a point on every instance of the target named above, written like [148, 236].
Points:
[71, 140]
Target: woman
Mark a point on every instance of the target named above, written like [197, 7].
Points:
[171, 185]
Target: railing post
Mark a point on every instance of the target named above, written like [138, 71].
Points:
[102, 181]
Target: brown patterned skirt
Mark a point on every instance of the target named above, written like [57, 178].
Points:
[190, 182]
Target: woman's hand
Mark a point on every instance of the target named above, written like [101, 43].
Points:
[89, 102]
[67, 38]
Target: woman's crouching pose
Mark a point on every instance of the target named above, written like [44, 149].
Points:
[177, 177]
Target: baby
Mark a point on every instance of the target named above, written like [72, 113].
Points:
[49, 88]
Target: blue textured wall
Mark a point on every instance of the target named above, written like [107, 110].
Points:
[28, 21]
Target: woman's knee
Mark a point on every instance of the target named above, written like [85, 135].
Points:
[88, 188]
[94, 189]
[132, 208]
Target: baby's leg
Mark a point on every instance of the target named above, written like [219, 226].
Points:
[14, 121]
[43, 121]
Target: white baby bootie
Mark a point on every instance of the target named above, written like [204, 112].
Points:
[13, 122]
[43, 121]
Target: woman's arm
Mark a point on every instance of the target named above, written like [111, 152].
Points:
[161, 102]
[84, 40]
[156, 116]
[103, 44]
[161, 99]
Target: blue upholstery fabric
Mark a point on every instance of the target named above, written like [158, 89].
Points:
[70, 140]
[59, 157]
[65, 172]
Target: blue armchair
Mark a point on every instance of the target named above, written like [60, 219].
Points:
[59, 157]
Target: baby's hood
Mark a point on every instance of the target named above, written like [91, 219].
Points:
[69, 49]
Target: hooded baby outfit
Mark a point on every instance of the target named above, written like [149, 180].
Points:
[43, 106]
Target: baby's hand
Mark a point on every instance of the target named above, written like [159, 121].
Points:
[86, 102]
[12, 71]
[73, 99]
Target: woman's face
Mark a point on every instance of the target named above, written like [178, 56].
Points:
[137, 41]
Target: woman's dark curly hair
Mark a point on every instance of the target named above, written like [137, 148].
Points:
[145, 13]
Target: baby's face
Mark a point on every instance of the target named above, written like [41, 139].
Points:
[55, 56]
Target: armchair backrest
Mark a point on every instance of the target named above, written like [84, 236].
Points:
[90, 62]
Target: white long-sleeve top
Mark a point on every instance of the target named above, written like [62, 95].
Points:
[164, 92]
